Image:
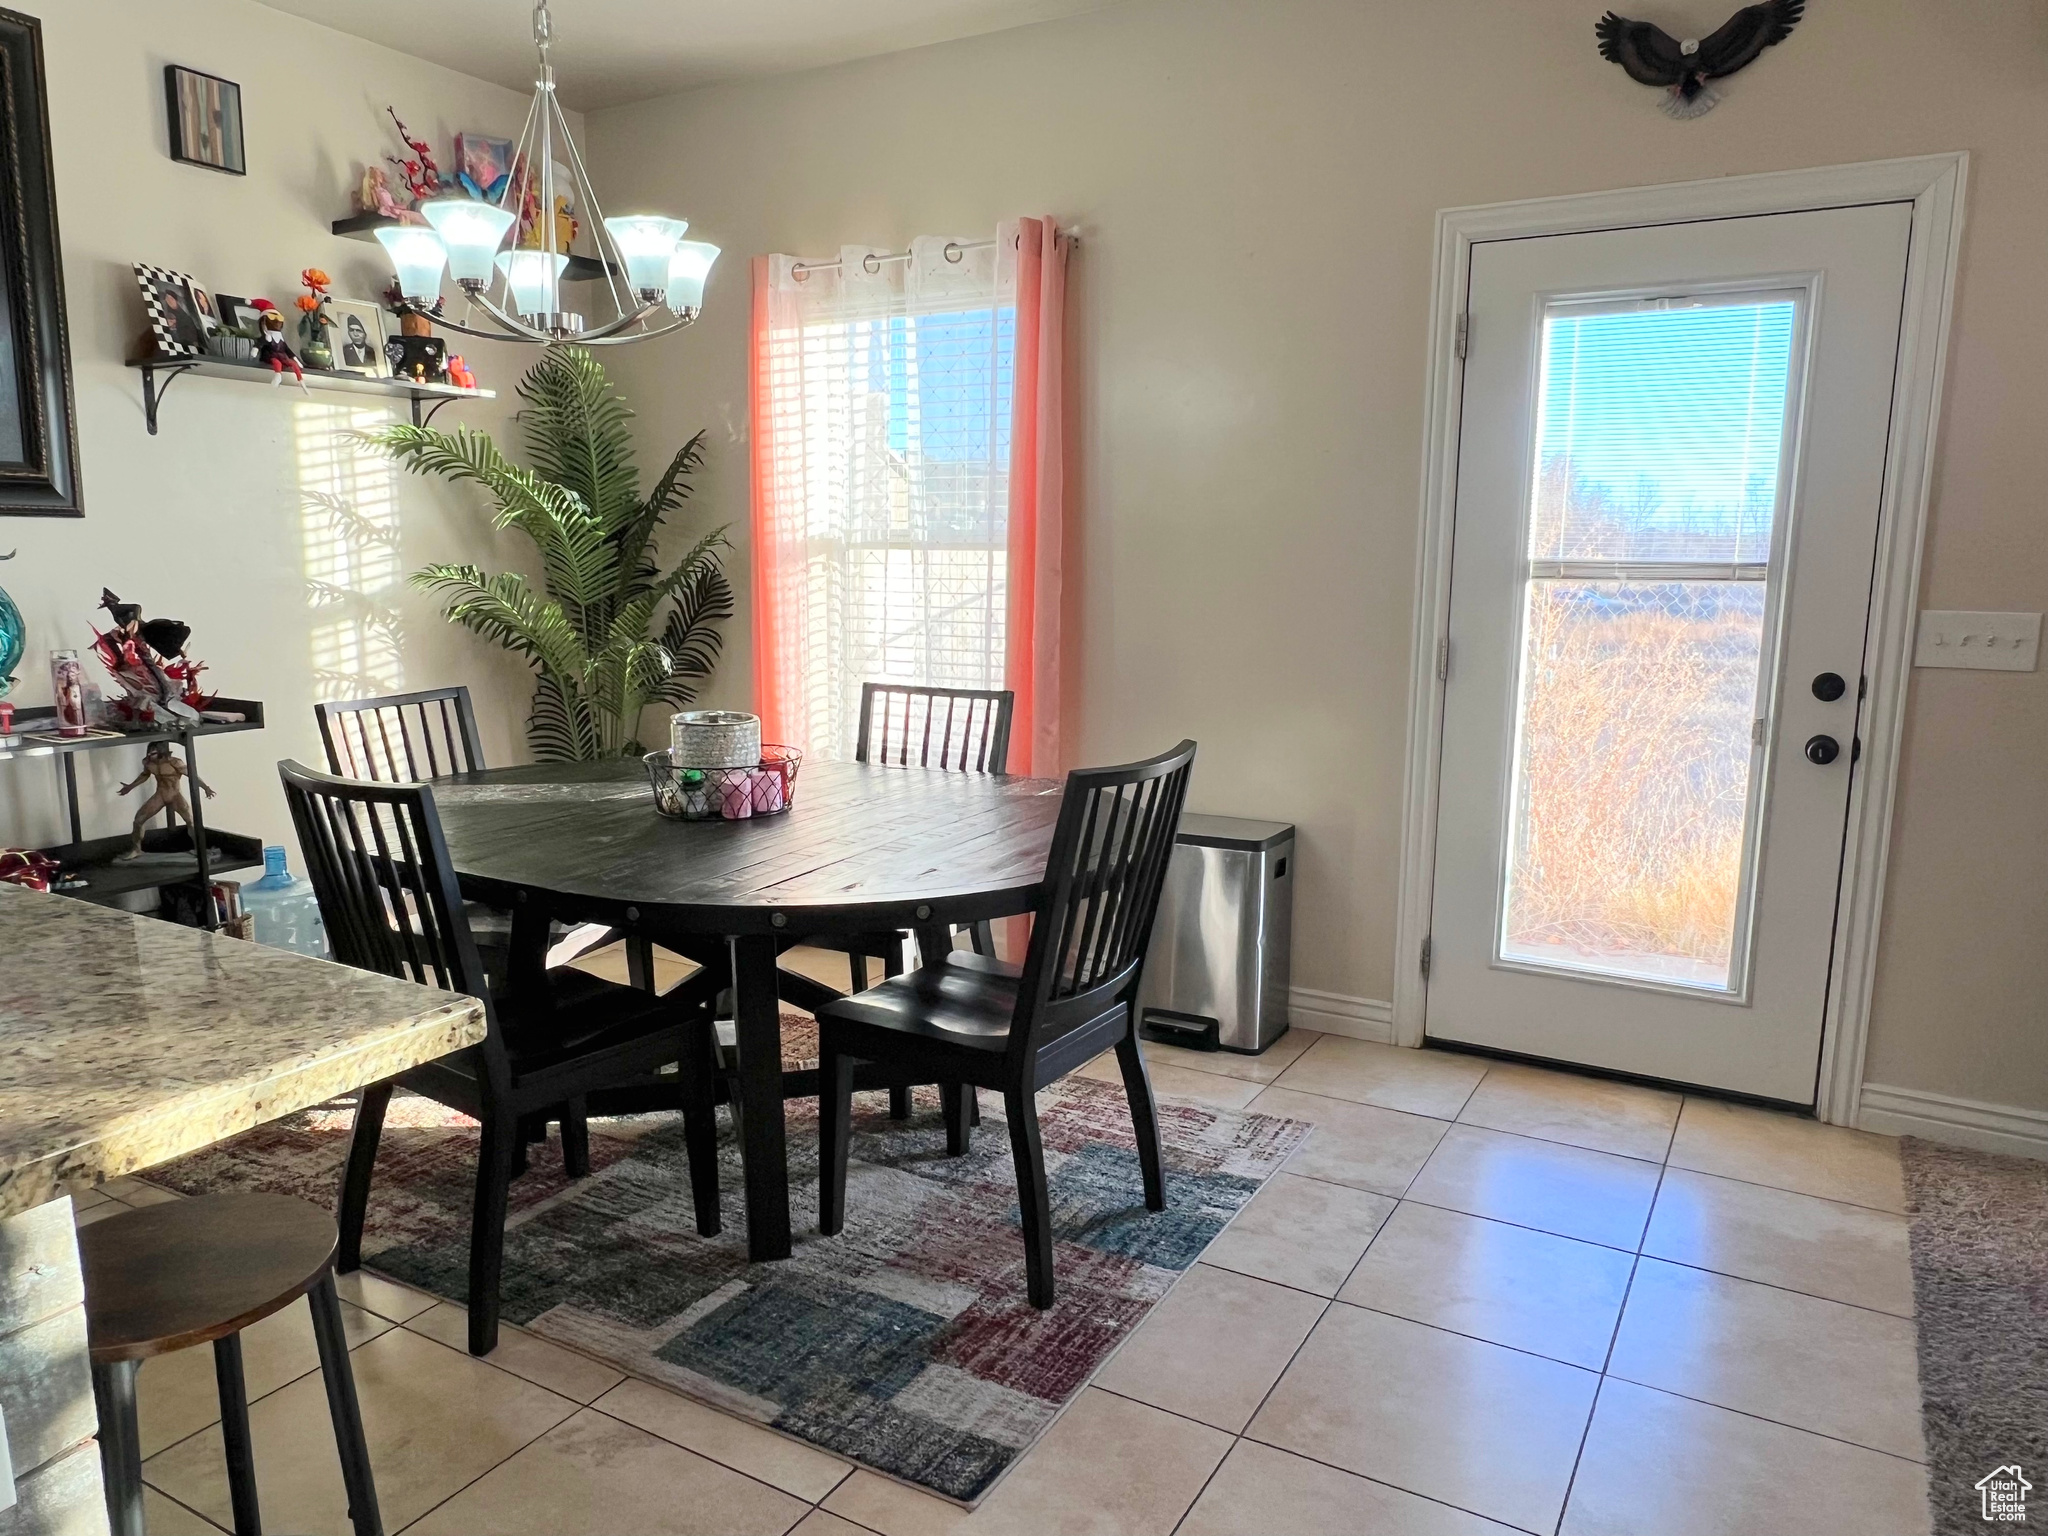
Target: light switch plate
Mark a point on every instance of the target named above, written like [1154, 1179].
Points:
[1992, 642]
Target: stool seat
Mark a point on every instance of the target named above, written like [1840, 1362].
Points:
[199, 1271]
[185, 1272]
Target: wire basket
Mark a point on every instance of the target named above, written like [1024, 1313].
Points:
[724, 794]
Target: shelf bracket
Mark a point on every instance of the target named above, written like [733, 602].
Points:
[426, 418]
[152, 392]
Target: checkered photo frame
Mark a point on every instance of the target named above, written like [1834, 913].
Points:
[152, 281]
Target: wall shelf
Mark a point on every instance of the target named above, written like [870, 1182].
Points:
[426, 398]
[364, 226]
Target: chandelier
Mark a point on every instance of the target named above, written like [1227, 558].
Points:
[646, 263]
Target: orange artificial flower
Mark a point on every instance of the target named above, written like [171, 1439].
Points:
[307, 302]
[313, 277]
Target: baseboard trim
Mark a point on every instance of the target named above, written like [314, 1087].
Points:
[1961, 1122]
[1338, 1013]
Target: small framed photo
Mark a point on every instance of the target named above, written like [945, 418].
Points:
[358, 337]
[204, 306]
[238, 312]
[174, 322]
[205, 114]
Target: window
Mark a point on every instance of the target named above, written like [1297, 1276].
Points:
[1656, 502]
[887, 382]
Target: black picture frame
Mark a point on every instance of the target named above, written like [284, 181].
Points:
[204, 113]
[38, 416]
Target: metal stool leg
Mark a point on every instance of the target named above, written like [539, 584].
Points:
[344, 1410]
[113, 1387]
[234, 1433]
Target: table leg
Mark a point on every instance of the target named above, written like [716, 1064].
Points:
[526, 965]
[934, 941]
[757, 1016]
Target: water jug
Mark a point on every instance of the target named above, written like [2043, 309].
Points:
[286, 912]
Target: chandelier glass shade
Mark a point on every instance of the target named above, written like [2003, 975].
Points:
[511, 256]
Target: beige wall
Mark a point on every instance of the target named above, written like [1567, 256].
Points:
[1257, 184]
[208, 521]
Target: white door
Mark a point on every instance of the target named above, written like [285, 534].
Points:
[1671, 451]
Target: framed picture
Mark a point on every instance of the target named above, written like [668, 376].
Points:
[203, 306]
[358, 337]
[205, 114]
[174, 322]
[238, 312]
[38, 433]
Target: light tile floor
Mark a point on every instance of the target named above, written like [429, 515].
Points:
[1482, 1298]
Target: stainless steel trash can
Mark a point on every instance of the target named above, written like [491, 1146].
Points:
[1217, 972]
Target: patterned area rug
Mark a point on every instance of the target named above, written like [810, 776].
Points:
[1980, 1295]
[905, 1344]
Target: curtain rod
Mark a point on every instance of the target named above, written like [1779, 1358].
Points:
[872, 262]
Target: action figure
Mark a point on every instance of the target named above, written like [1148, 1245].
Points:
[272, 348]
[147, 658]
[163, 765]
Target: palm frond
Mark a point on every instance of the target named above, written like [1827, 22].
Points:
[587, 637]
[576, 431]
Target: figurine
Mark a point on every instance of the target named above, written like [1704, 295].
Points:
[147, 658]
[459, 374]
[163, 765]
[272, 348]
[374, 196]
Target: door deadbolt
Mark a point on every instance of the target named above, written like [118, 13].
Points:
[1829, 687]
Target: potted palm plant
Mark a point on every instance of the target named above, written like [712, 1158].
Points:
[589, 634]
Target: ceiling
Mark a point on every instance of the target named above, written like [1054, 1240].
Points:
[612, 51]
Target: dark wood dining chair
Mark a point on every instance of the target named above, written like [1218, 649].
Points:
[190, 1272]
[400, 738]
[971, 1021]
[379, 865]
[903, 725]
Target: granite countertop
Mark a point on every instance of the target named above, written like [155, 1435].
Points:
[126, 1041]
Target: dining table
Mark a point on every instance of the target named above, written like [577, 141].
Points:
[861, 849]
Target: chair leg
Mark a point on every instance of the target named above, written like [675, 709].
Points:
[1144, 1118]
[899, 1103]
[576, 1139]
[355, 1184]
[234, 1434]
[835, 1136]
[1034, 1200]
[954, 1099]
[700, 1125]
[344, 1410]
[113, 1386]
[501, 1140]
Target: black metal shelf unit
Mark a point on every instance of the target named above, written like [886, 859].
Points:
[204, 853]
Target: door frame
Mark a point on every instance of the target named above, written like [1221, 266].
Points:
[1934, 185]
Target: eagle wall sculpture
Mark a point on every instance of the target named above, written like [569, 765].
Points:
[1655, 57]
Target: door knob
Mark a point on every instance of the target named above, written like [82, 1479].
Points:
[1829, 687]
[1822, 749]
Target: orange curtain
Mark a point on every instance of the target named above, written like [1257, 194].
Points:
[1037, 485]
[776, 550]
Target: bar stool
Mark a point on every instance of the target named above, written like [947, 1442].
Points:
[199, 1271]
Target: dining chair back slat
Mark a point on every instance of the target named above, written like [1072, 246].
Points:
[1102, 886]
[380, 869]
[401, 738]
[967, 729]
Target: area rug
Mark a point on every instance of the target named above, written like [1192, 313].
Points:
[905, 1344]
[1979, 1234]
